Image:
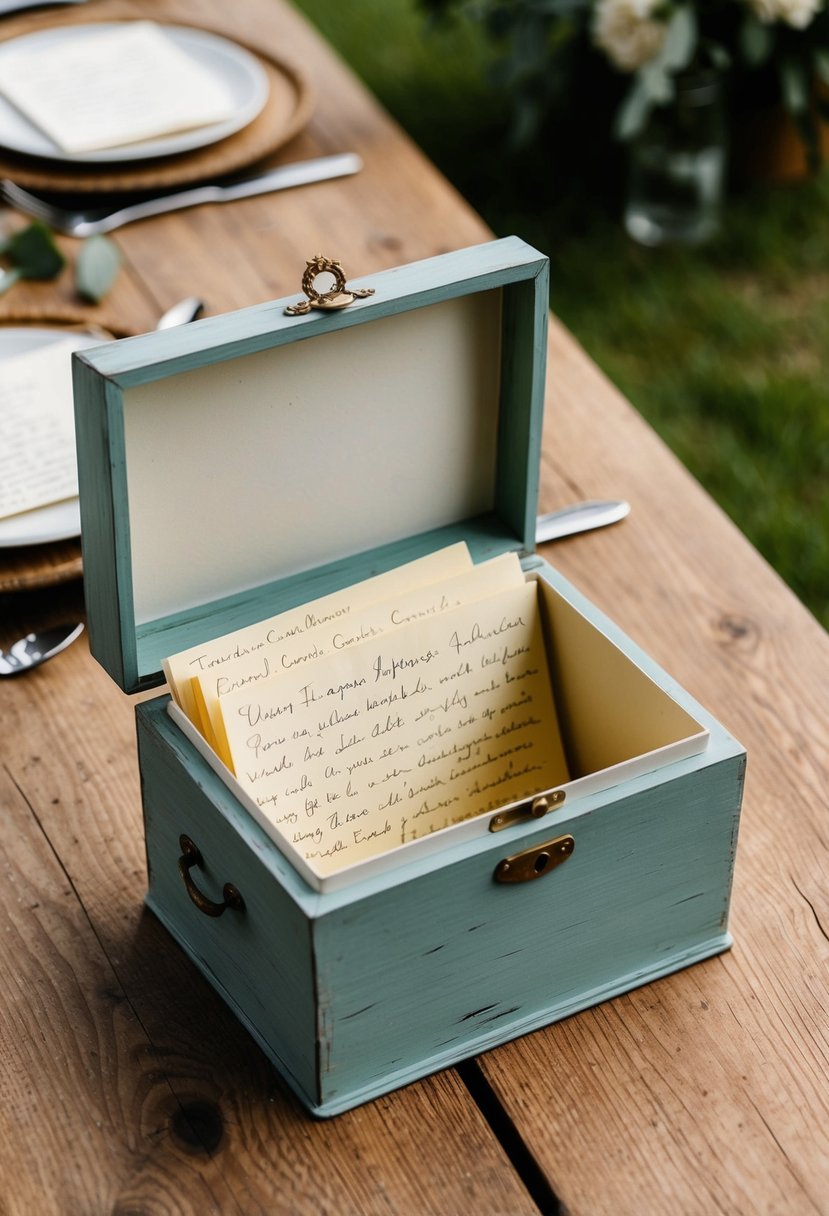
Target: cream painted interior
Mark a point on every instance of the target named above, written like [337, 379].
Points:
[610, 711]
[282, 461]
[616, 723]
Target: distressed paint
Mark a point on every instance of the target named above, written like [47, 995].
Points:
[413, 970]
[354, 992]
[103, 376]
[262, 955]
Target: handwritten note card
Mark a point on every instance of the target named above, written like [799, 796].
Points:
[37, 429]
[244, 650]
[435, 722]
[101, 88]
[296, 650]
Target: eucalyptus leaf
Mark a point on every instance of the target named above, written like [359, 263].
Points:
[96, 268]
[756, 41]
[680, 41]
[821, 61]
[633, 112]
[524, 123]
[718, 56]
[657, 83]
[8, 278]
[794, 83]
[33, 253]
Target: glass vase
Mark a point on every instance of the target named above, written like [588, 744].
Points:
[677, 167]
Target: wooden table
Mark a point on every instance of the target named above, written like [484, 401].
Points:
[128, 1088]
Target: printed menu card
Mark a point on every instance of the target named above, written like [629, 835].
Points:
[385, 712]
[37, 429]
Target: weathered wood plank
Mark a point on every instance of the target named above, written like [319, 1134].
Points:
[173, 1106]
[707, 1091]
[212, 1129]
[711, 1086]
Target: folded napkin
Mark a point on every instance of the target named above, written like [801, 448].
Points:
[92, 87]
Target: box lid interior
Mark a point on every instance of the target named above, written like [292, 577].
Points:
[243, 464]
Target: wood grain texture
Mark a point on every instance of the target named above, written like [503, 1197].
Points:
[410, 972]
[211, 1129]
[705, 1092]
[132, 1088]
[711, 1086]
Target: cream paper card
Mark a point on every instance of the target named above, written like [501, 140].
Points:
[363, 623]
[439, 721]
[104, 88]
[252, 643]
[37, 429]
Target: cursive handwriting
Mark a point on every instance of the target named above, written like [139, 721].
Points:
[386, 769]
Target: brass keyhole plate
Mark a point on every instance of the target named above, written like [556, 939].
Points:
[534, 862]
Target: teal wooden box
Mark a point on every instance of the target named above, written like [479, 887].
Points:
[228, 470]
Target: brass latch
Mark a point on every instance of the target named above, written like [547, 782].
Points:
[536, 808]
[534, 862]
[338, 296]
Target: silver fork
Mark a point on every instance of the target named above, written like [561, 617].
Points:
[92, 223]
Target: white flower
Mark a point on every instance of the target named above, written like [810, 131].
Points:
[628, 33]
[797, 13]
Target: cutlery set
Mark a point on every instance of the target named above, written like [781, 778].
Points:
[101, 220]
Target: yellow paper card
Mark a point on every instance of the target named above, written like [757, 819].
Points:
[397, 737]
[253, 643]
[362, 624]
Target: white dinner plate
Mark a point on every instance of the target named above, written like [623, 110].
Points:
[239, 70]
[59, 520]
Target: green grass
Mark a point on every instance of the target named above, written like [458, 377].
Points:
[723, 349]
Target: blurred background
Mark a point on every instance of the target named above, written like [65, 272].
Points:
[703, 294]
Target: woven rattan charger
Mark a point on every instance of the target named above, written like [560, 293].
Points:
[286, 111]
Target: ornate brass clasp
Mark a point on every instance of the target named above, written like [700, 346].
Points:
[338, 296]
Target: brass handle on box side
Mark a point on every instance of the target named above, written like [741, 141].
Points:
[190, 856]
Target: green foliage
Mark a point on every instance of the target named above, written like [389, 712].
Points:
[542, 46]
[723, 350]
[33, 255]
[96, 268]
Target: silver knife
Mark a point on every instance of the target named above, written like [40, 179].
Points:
[579, 517]
[91, 223]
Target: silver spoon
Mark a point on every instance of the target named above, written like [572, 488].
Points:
[36, 648]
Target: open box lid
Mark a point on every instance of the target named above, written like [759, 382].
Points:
[235, 467]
